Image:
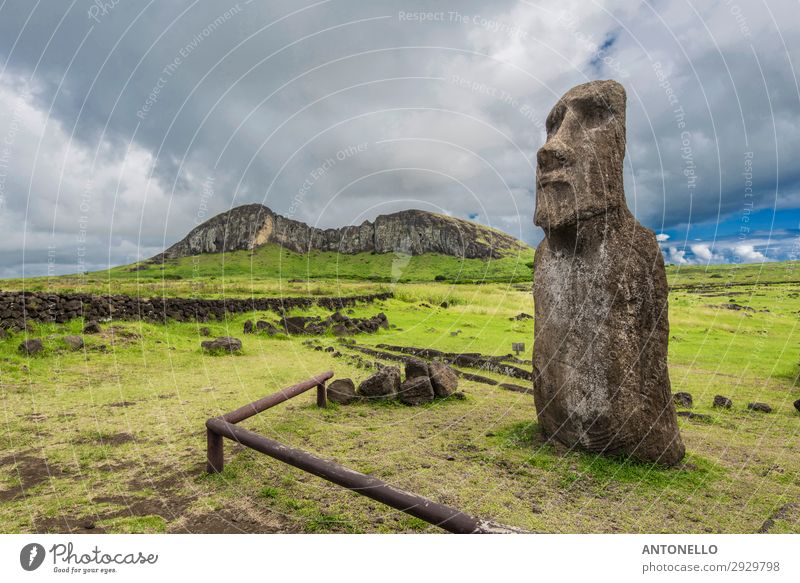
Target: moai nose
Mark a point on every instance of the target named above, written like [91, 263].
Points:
[552, 156]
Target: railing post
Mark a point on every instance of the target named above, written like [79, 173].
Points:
[215, 453]
[322, 395]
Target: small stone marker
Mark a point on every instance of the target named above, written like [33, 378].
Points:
[518, 347]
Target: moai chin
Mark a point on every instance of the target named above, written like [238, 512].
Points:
[600, 291]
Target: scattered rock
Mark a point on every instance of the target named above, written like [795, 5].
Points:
[4, 334]
[444, 305]
[443, 379]
[342, 391]
[416, 391]
[340, 330]
[694, 416]
[416, 368]
[724, 402]
[92, 327]
[760, 407]
[683, 399]
[294, 324]
[461, 396]
[797, 405]
[248, 327]
[205, 331]
[32, 346]
[263, 326]
[602, 382]
[222, 344]
[522, 316]
[383, 384]
[73, 342]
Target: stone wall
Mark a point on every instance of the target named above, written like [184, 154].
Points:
[18, 307]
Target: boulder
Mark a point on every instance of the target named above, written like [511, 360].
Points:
[443, 379]
[32, 346]
[724, 402]
[383, 384]
[73, 342]
[269, 329]
[683, 399]
[416, 391]
[760, 407]
[416, 368]
[340, 330]
[205, 331]
[294, 324]
[797, 405]
[222, 344]
[92, 327]
[342, 391]
[248, 327]
[601, 381]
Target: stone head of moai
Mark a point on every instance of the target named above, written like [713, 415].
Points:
[579, 168]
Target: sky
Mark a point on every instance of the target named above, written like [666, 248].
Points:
[125, 123]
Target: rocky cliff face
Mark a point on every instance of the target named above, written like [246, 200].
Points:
[412, 232]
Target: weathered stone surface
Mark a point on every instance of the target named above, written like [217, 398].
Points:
[92, 327]
[342, 391]
[416, 368]
[724, 402]
[443, 379]
[683, 399]
[411, 232]
[383, 384]
[31, 347]
[760, 407]
[416, 391]
[222, 344]
[73, 342]
[600, 290]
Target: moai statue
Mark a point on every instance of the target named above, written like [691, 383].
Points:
[600, 290]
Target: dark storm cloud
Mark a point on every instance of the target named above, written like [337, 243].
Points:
[136, 120]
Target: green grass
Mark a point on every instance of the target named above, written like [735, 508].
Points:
[272, 270]
[121, 423]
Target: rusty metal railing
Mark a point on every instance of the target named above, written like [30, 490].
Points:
[439, 515]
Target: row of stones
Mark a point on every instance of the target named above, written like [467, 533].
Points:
[18, 308]
[683, 399]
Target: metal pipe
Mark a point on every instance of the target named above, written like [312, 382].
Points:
[214, 452]
[256, 407]
[440, 515]
[322, 396]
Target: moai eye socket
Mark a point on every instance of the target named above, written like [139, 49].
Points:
[592, 112]
[555, 118]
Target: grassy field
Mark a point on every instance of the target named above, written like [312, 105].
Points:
[112, 439]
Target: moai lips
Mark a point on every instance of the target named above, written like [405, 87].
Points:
[600, 290]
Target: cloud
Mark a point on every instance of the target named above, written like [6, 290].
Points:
[662, 237]
[704, 254]
[748, 254]
[254, 97]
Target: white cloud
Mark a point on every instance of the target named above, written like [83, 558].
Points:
[704, 254]
[662, 237]
[748, 254]
[677, 256]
